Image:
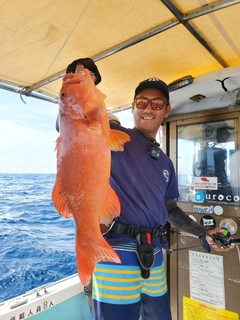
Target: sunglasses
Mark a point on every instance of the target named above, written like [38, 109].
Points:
[156, 104]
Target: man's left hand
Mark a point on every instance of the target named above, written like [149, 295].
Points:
[211, 242]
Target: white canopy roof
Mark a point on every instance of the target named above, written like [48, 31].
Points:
[130, 40]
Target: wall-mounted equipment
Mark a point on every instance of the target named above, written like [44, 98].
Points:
[180, 83]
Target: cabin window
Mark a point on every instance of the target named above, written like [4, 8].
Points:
[208, 162]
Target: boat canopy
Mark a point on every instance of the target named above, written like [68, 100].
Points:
[129, 40]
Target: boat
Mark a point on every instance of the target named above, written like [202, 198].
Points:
[63, 299]
[194, 47]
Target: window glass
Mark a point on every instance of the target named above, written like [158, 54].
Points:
[208, 162]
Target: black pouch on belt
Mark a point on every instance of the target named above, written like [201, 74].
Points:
[145, 254]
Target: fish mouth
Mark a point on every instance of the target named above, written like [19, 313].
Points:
[69, 79]
[74, 77]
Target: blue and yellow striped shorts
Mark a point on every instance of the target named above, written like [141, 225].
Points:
[122, 284]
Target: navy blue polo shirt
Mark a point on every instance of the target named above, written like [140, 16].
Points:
[142, 184]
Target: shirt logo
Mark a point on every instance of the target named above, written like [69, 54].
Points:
[166, 175]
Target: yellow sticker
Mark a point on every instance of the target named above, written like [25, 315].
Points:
[197, 310]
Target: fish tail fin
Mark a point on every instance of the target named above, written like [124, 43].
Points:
[111, 207]
[117, 139]
[87, 255]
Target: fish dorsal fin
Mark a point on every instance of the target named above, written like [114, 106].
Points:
[111, 208]
[59, 202]
[117, 139]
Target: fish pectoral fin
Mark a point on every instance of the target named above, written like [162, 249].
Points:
[58, 201]
[88, 254]
[117, 140]
[111, 208]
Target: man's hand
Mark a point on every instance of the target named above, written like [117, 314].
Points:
[213, 244]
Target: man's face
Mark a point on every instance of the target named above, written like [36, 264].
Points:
[149, 120]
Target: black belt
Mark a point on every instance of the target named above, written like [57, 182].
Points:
[133, 231]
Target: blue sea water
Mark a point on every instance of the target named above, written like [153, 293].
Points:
[36, 243]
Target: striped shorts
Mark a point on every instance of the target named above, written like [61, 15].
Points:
[120, 292]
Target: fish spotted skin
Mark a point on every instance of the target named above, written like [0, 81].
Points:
[82, 187]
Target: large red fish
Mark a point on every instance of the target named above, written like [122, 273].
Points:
[82, 187]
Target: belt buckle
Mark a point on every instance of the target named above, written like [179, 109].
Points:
[131, 231]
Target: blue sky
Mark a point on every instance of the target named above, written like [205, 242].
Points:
[27, 134]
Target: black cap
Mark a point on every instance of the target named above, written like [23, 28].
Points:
[89, 64]
[153, 83]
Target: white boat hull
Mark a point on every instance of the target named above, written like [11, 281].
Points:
[60, 300]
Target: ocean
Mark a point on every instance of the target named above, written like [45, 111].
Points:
[36, 244]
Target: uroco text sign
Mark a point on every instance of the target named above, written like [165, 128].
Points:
[228, 198]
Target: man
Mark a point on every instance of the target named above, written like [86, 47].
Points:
[143, 177]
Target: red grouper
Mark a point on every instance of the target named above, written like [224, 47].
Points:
[82, 189]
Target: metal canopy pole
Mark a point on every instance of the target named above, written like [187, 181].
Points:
[193, 31]
[12, 87]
